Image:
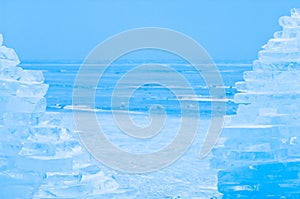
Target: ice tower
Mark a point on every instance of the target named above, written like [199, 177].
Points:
[259, 150]
[38, 157]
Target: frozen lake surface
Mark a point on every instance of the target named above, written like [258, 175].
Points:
[188, 177]
[61, 79]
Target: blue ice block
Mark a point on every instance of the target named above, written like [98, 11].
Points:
[44, 163]
[265, 180]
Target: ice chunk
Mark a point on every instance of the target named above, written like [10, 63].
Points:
[21, 119]
[286, 21]
[271, 86]
[32, 76]
[265, 99]
[17, 190]
[38, 157]
[18, 184]
[73, 185]
[277, 34]
[72, 190]
[22, 104]
[248, 157]
[7, 53]
[272, 76]
[267, 111]
[265, 180]
[295, 12]
[102, 183]
[12, 87]
[51, 118]
[37, 149]
[32, 90]
[279, 56]
[45, 134]
[8, 88]
[281, 44]
[252, 131]
[10, 148]
[291, 33]
[294, 148]
[10, 73]
[258, 75]
[273, 65]
[21, 132]
[5, 163]
[68, 146]
[8, 57]
[5, 63]
[260, 141]
[44, 164]
[92, 169]
[67, 177]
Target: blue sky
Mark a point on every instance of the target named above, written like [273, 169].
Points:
[70, 29]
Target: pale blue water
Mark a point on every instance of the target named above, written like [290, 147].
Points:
[61, 78]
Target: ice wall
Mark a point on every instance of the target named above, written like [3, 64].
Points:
[259, 149]
[39, 158]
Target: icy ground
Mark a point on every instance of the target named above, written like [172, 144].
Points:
[189, 177]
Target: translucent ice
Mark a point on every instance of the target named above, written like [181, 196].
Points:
[287, 21]
[277, 34]
[275, 65]
[295, 12]
[37, 149]
[10, 73]
[19, 89]
[17, 184]
[32, 76]
[32, 90]
[279, 56]
[21, 119]
[44, 163]
[281, 43]
[274, 180]
[259, 150]
[8, 88]
[38, 157]
[23, 104]
[8, 57]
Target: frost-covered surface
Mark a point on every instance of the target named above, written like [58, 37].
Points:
[189, 177]
[259, 150]
[39, 158]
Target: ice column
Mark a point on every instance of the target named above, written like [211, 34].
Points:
[259, 149]
[39, 158]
